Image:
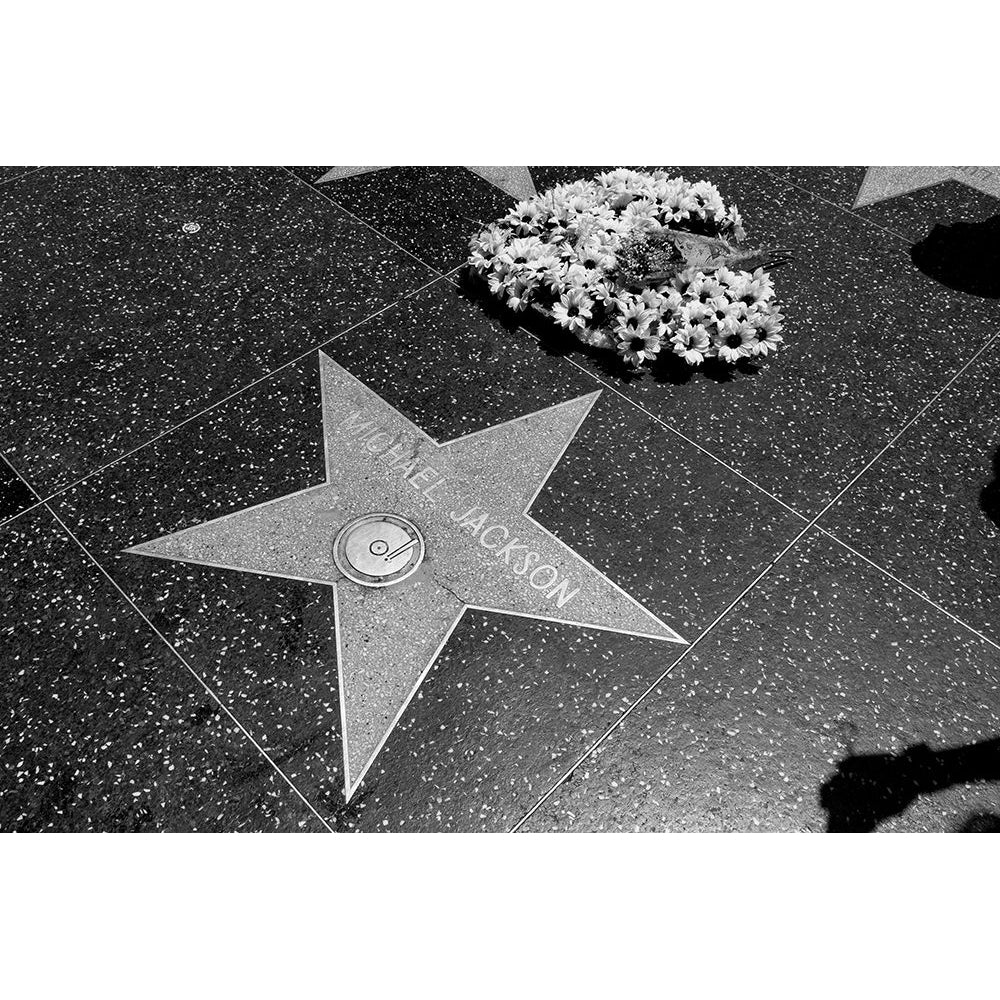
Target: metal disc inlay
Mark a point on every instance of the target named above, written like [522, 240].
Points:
[378, 550]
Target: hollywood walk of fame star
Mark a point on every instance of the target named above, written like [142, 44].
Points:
[410, 533]
[515, 181]
[881, 183]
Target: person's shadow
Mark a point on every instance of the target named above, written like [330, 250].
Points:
[869, 788]
[989, 498]
[964, 256]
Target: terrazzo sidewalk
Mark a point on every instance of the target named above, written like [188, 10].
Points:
[823, 528]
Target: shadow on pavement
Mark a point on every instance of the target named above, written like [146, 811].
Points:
[965, 256]
[869, 788]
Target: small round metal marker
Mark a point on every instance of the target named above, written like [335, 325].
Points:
[378, 550]
[191, 227]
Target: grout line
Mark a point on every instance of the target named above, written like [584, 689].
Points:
[27, 173]
[20, 513]
[378, 232]
[219, 402]
[913, 590]
[83, 548]
[833, 204]
[617, 722]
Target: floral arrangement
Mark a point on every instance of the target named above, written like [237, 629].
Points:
[582, 254]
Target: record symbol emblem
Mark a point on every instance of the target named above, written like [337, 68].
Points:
[378, 550]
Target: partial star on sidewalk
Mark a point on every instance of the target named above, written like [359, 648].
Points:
[515, 181]
[881, 183]
[455, 513]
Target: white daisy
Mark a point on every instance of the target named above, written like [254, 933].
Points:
[691, 343]
[573, 309]
[638, 347]
[525, 218]
[732, 339]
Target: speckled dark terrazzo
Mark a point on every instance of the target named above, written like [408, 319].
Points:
[912, 215]
[102, 727]
[267, 645]
[776, 721]
[929, 511]
[870, 339]
[424, 209]
[505, 709]
[14, 495]
[118, 323]
[9, 173]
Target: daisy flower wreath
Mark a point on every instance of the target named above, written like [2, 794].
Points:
[556, 253]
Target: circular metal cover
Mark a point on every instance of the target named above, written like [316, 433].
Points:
[378, 550]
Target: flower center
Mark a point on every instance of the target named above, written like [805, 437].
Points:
[733, 340]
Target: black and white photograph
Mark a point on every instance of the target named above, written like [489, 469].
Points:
[650, 500]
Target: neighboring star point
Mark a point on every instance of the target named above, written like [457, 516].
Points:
[881, 183]
[468, 500]
[515, 181]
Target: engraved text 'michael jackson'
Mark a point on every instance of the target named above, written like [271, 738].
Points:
[523, 561]
[395, 457]
[495, 538]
